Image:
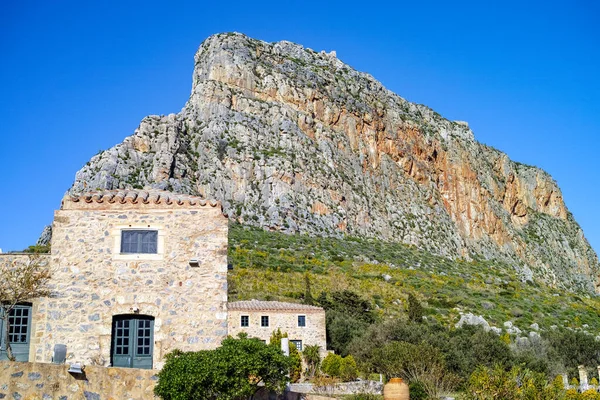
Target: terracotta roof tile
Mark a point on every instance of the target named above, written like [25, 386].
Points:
[259, 305]
[136, 196]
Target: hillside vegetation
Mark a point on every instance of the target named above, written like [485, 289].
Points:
[277, 266]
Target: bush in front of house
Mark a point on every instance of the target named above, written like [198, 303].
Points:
[340, 367]
[235, 370]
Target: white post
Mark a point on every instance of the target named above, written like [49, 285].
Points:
[565, 379]
[583, 379]
[285, 346]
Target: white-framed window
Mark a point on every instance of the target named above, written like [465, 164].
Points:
[139, 241]
[244, 321]
[297, 343]
[301, 320]
[264, 320]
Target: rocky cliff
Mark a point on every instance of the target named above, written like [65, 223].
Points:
[295, 140]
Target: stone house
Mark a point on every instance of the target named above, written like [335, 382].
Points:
[137, 274]
[304, 324]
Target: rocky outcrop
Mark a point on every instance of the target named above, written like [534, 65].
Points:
[45, 236]
[294, 140]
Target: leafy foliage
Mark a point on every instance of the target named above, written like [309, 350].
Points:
[295, 357]
[514, 384]
[417, 391]
[461, 349]
[231, 372]
[415, 310]
[363, 396]
[340, 367]
[312, 358]
[570, 349]
[331, 365]
[38, 249]
[273, 266]
[341, 330]
[421, 363]
[376, 293]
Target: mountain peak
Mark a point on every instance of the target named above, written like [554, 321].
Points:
[296, 140]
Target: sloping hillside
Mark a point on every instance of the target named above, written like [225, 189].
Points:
[272, 265]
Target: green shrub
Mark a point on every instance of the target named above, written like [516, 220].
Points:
[340, 367]
[234, 370]
[417, 391]
[348, 369]
[514, 384]
[341, 329]
[331, 365]
[364, 396]
[295, 356]
[312, 358]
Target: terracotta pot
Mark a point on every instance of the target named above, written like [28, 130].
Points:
[396, 389]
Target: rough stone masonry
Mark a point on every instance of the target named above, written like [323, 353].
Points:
[93, 281]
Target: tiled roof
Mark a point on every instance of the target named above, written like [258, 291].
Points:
[138, 196]
[259, 305]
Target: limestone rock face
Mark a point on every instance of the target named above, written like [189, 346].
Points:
[294, 140]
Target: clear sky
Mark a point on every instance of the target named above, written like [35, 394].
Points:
[77, 77]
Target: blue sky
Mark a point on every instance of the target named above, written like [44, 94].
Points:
[77, 77]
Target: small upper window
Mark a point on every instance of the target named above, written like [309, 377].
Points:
[264, 320]
[297, 343]
[301, 320]
[245, 320]
[139, 241]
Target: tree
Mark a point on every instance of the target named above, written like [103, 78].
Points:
[295, 357]
[341, 329]
[23, 279]
[415, 310]
[308, 297]
[234, 371]
[416, 363]
[348, 303]
[312, 357]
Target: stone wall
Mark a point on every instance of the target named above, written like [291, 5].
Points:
[311, 334]
[33, 381]
[93, 282]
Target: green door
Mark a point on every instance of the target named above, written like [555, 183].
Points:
[19, 334]
[132, 342]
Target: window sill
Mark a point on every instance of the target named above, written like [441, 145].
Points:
[138, 256]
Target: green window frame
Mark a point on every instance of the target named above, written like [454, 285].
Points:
[19, 335]
[132, 344]
[301, 320]
[297, 343]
